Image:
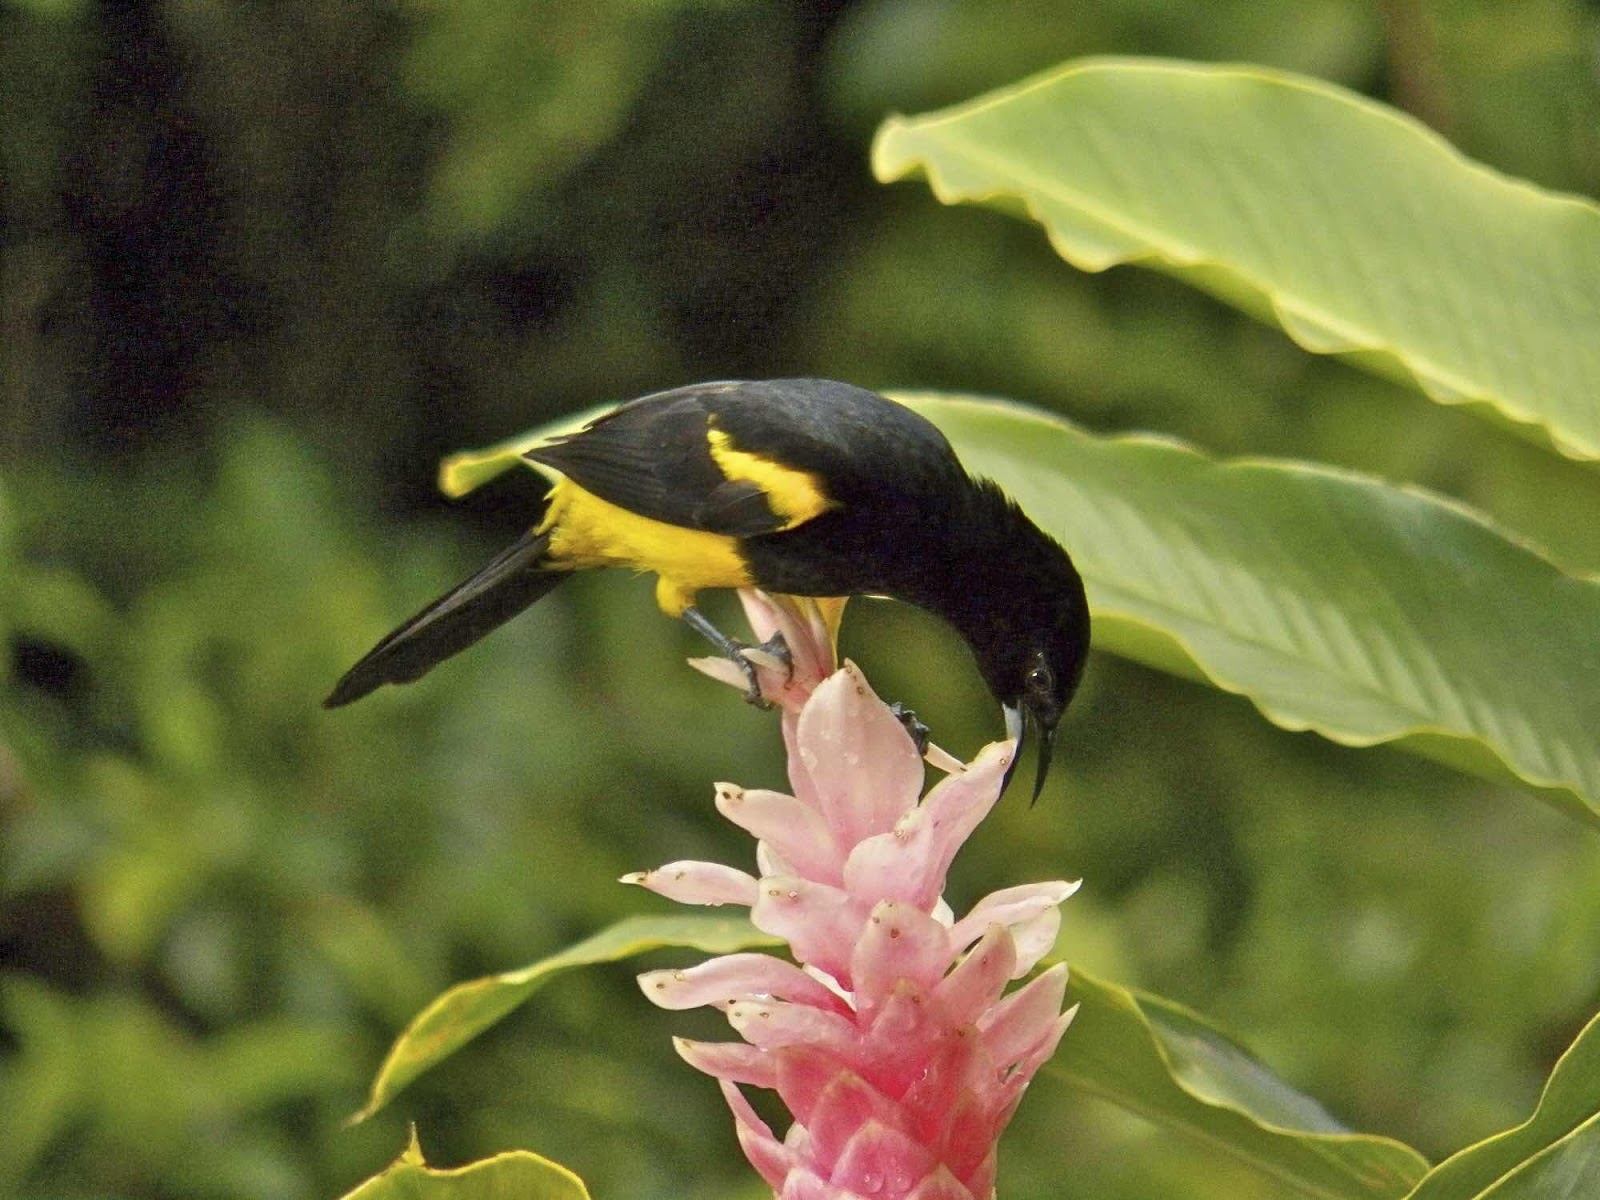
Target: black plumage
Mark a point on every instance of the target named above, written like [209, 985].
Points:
[811, 488]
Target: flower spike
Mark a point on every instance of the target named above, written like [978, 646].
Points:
[893, 1044]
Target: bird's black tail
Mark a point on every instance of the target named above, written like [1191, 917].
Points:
[517, 577]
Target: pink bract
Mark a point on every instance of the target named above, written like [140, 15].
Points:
[893, 1044]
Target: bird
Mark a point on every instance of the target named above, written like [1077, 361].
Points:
[802, 487]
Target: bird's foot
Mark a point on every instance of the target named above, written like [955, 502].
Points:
[913, 726]
[776, 650]
[744, 656]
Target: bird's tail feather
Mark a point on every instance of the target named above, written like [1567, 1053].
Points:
[516, 578]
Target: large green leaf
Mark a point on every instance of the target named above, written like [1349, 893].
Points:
[1354, 227]
[463, 1012]
[1159, 1060]
[1554, 1155]
[1335, 602]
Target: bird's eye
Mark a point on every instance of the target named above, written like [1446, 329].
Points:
[1039, 679]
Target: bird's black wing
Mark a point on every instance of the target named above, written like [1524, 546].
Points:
[653, 457]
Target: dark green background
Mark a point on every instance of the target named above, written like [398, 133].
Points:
[262, 265]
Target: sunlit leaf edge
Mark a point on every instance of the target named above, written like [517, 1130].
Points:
[1132, 636]
[1314, 331]
[438, 1030]
[1477, 1169]
[1376, 1166]
[513, 1172]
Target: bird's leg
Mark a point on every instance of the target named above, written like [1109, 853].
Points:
[913, 726]
[734, 651]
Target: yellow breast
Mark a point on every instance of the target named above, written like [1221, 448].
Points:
[586, 531]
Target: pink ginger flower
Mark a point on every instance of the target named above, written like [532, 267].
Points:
[893, 1043]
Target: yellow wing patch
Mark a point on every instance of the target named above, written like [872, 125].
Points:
[586, 531]
[795, 495]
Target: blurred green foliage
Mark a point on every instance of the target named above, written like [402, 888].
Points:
[261, 266]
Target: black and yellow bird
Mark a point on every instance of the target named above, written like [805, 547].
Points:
[804, 487]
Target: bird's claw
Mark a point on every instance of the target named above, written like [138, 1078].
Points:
[777, 646]
[912, 725]
[745, 656]
[774, 647]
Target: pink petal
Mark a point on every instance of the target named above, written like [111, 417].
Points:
[862, 767]
[804, 629]
[732, 977]
[826, 980]
[957, 803]
[979, 978]
[776, 683]
[723, 670]
[841, 1106]
[774, 1024]
[769, 862]
[819, 922]
[766, 1154]
[969, 1136]
[940, 1096]
[810, 645]
[895, 1047]
[1036, 1055]
[734, 1062]
[897, 943]
[697, 883]
[762, 611]
[941, 759]
[805, 1184]
[910, 862]
[802, 1072]
[798, 1141]
[881, 1161]
[1035, 938]
[788, 827]
[800, 782]
[963, 1068]
[941, 1185]
[980, 1180]
[885, 866]
[1009, 906]
[1023, 1017]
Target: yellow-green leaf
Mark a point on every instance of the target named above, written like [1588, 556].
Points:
[1159, 1060]
[1354, 227]
[1553, 1155]
[1335, 602]
[518, 1174]
[466, 1010]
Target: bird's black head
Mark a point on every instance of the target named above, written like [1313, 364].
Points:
[1027, 620]
[1050, 670]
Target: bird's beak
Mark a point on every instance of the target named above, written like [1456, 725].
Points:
[1017, 720]
[1047, 742]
